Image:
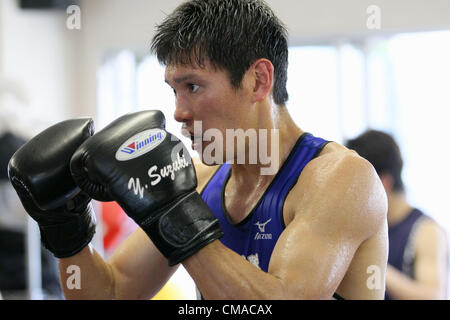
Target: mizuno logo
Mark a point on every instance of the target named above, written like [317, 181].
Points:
[262, 229]
[262, 226]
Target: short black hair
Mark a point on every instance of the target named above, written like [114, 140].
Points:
[382, 151]
[231, 34]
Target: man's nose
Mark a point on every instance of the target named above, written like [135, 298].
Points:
[182, 113]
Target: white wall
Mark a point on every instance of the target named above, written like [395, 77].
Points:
[110, 25]
[36, 58]
[310, 20]
[57, 67]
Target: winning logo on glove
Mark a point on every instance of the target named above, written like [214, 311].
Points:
[140, 144]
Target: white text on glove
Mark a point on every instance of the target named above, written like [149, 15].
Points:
[165, 172]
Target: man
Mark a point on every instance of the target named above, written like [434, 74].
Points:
[417, 263]
[249, 235]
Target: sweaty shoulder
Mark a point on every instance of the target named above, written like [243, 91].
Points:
[341, 183]
[204, 173]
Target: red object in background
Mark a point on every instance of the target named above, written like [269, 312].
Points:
[116, 225]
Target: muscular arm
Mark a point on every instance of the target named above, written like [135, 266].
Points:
[314, 251]
[430, 268]
[135, 271]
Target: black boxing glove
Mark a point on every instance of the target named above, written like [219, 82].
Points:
[150, 174]
[40, 173]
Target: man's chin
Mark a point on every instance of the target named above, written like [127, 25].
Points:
[206, 155]
[210, 161]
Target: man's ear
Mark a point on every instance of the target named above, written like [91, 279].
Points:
[387, 180]
[262, 72]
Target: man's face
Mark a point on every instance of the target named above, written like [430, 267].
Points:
[206, 95]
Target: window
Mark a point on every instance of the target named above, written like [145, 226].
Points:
[420, 71]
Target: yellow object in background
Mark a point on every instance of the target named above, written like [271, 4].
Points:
[170, 292]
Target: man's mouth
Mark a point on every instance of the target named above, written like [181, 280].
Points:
[195, 140]
[196, 137]
[189, 134]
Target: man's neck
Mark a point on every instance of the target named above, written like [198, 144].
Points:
[282, 134]
[398, 208]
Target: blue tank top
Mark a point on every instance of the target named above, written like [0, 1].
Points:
[254, 238]
[401, 239]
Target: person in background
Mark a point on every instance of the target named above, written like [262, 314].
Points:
[417, 263]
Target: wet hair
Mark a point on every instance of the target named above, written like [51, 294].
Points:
[231, 34]
[381, 150]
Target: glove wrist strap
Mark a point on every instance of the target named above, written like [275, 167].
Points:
[183, 228]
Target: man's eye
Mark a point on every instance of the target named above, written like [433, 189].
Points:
[193, 87]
